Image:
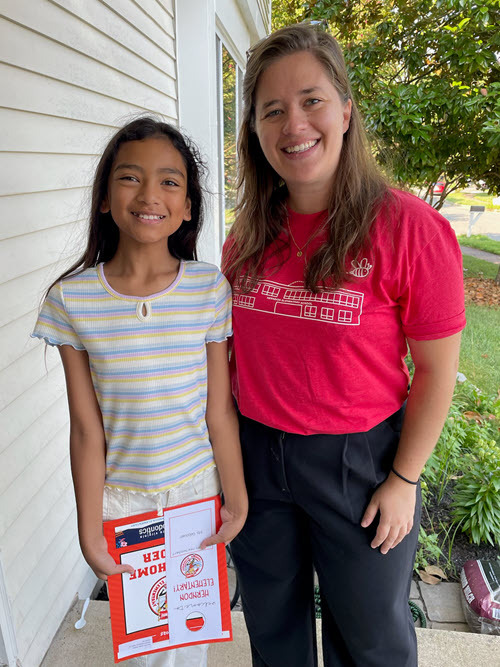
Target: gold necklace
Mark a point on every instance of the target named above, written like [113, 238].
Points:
[300, 251]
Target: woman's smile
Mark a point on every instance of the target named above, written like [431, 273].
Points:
[300, 121]
[299, 149]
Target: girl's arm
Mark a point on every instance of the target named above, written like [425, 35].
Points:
[431, 392]
[223, 428]
[88, 455]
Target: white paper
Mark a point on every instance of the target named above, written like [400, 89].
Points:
[192, 579]
[188, 530]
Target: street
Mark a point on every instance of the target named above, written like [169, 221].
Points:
[488, 222]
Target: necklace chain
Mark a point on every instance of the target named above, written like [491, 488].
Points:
[300, 250]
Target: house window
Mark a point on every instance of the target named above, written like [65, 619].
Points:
[229, 77]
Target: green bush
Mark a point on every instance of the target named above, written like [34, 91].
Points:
[428, 551]
[476, 496]
[472, 417]
[466, 463]
[445, 461]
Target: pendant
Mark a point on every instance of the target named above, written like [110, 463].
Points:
[299, 253]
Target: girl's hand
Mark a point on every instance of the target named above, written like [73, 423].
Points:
[232, 523]
[101, 561]
[395, 500]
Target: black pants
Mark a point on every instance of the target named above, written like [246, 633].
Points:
[307, 497]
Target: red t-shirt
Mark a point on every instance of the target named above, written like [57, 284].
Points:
[333, 362]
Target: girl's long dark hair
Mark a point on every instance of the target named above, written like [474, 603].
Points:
[357, 191]
[103, 233]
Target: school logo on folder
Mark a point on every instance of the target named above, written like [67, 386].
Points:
[192, 565]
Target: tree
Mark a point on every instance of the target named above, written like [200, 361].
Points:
[427, 79]
[286, 12]
[229, 75]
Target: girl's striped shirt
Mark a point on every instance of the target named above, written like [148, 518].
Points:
[148, 362]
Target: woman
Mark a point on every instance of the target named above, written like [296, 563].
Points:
[333, 274]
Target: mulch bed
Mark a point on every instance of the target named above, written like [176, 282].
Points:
[462, 550]
[482, 291]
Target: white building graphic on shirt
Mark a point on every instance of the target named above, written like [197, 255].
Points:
[340, 306]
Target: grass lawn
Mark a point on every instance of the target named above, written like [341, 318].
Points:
[480, 351]
[481, 242]
[472, 199]
[478, 267]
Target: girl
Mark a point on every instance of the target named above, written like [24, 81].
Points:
[333, 274]
[142, 329]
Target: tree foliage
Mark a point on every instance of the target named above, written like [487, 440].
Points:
[229, 75]
[286, 12]
[427, 79]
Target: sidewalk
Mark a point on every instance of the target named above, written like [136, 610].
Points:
[441, 605]
[480, 254]
[443, 647]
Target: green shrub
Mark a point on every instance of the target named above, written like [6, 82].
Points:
[476, 496]
[466, 463]
[471, 418]
[428, 550]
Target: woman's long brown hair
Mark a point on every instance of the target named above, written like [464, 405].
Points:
[357, 190]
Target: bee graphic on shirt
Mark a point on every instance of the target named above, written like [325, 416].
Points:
[360, 269]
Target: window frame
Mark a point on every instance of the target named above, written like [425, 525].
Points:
[222, 40]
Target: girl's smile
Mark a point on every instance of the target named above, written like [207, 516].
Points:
[148, 217]
[147, 191]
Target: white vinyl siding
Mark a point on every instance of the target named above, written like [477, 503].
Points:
[71, 72]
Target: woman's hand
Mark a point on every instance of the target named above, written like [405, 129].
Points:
[100, 560]
[395, 500]
[232, 523]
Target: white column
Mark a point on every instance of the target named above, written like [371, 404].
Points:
[197, 101]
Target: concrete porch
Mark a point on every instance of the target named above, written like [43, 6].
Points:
[91, 646]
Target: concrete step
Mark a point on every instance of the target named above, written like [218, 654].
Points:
[91, 646]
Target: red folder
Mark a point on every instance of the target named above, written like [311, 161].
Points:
[139, 602]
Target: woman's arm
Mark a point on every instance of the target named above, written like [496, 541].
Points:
[222, 424]
[431, 392]
[88, 455]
